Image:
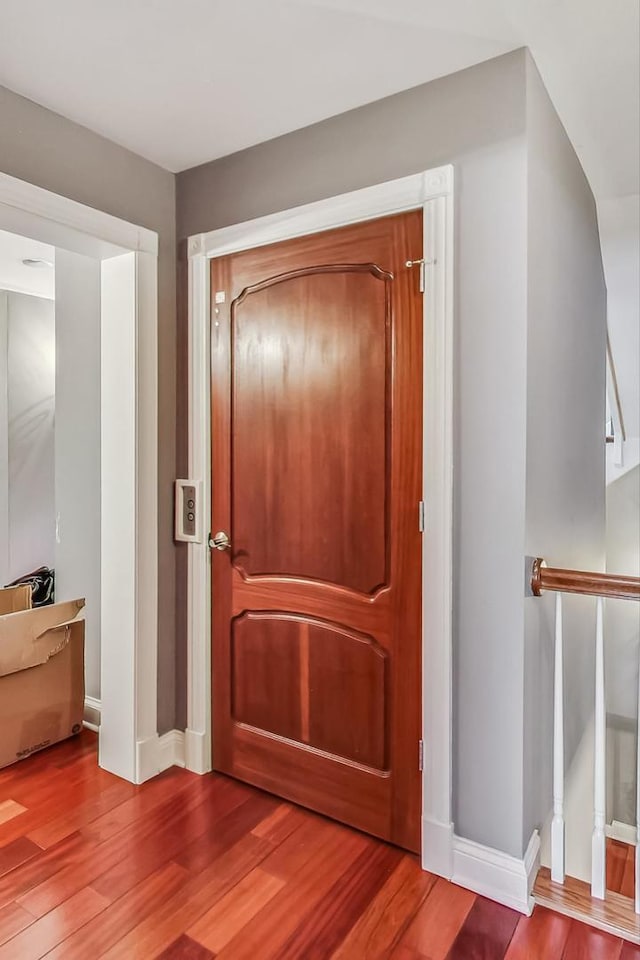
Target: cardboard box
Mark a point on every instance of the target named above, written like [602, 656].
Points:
[41, 677]
[14, 599]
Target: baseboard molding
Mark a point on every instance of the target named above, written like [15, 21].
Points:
[437, 847]
[497, 875]
[172, 749]
[197, 751]
[624, 832]
[158, 753]
[92, 713]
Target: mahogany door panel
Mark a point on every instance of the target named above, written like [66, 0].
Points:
[316, 479]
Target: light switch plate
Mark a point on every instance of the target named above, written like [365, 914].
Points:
[188, 527]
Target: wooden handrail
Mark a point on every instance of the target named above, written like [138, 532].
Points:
[578, 581]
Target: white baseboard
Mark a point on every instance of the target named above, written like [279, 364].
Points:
[92, 713]
[171, 747]
[497, 875]
[156, 754]
[624, 832]
[437, 847]
[197, 752]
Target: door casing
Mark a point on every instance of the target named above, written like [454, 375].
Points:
[433, 191]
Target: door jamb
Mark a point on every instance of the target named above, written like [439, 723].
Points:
[433, 191]
[128, 744]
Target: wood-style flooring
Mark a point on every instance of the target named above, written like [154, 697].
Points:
[195, 868]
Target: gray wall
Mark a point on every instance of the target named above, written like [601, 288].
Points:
[4, 441]
[565, 451]
[77, 457]
[29, 428]
[622, 618]
[475, 119]
[45, 149]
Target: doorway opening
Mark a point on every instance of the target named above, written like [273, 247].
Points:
[101, 455]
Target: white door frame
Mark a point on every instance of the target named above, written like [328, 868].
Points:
[433, 191]
[129, 471]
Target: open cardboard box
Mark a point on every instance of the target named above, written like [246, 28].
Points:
[41, 673]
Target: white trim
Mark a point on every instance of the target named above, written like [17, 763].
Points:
[497, 875]
[432, 190]
[623, 832]
[172, 748]
[155, 754]
[19, 198]
[198, 733]
[92, 713]
[129, 474]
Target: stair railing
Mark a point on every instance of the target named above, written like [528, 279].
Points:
[600, 586]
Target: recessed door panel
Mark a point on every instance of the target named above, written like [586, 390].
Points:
[320, 684]
[310, 371]
[316, 479]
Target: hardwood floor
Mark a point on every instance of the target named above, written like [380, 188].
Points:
[195, 868]
[621, 867]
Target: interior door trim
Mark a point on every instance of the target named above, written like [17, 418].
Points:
[433, 190]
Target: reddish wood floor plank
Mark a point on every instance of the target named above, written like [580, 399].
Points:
[44, 934]
[82, 815]
[387, 916]
[438, 921]
[327, 852]
[587, 943]
[139, 849]
[192, 868]
[235, 910]
[17, 852]
[10, 809]
[544, 934]
[39, 868]
[486, 933]
[184, 948]
[173, 917]
[116, 920]
[13, 919]
[321, 932]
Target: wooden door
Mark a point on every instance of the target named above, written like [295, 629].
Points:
[316, 468]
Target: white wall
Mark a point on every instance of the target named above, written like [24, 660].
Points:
[27, 406]
[77, 476]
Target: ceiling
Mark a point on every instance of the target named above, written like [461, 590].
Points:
[183, 83]
[39, 281]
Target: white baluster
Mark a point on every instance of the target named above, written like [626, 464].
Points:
[598, 840]
[557, 824]
[638, 809]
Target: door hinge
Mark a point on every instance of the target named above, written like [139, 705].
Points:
[420, 755]
[421, 517]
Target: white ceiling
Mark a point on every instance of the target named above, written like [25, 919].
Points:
[184, 82]
[15, 276]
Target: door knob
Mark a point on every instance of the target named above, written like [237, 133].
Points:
[220, 541]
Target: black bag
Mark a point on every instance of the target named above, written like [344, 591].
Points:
[42, 583]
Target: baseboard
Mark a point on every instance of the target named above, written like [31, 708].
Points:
[92, 713]
[197, 752]
[171, 747]
[158, 753]
[437, 847]
[497, 875]
[624, 832]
